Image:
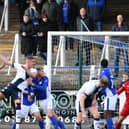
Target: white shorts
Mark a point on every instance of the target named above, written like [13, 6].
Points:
[46, 104]
[110, 103]
[25, 110]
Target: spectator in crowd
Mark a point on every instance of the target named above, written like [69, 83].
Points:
[120, 26]
[39, 4]
[52, 10]
[95, 10]
[79, 4]
[1, 7]
[59, 1]
[42, 36]
[83, 21]
[32, 12]
[12, 1]
[26, 31]
[84, 24]
[68, 18]
[28, 3]
[22, 5]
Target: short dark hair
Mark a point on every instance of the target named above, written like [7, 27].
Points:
[104, 63]
[39, 68]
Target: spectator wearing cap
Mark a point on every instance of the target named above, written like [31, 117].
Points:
[42, 36]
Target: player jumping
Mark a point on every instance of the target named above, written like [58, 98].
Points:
[110, 94]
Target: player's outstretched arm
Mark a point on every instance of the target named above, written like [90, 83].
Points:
[5, 60]
[82, 106]
[82, 102]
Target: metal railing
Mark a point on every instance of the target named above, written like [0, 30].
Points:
[15, 52]
[4, 19]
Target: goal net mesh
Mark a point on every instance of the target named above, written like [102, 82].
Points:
[71, 66]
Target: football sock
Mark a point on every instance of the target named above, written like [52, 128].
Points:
[61, 124]
[54, 122]
[118, 125]
[41, 124]
[14, 125]
[110, 124]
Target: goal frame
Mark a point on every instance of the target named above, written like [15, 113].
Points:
[75, 33]
[64, 33]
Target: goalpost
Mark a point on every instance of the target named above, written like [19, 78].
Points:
[96, 39]
[62, 69]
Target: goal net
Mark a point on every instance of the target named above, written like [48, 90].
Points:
[69, 67]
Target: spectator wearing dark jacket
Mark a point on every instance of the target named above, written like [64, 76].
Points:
[32, 12]
[52, 10]
[68, 18]
[1, 7]
[22, 5]
[26, 31]
[95, 10]
[79, 4]
[39, 4]
[84, 24]
[42, 36]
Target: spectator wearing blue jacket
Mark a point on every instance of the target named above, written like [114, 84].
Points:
[95, 9]
[68, 18]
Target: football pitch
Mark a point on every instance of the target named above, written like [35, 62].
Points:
[35, 126]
